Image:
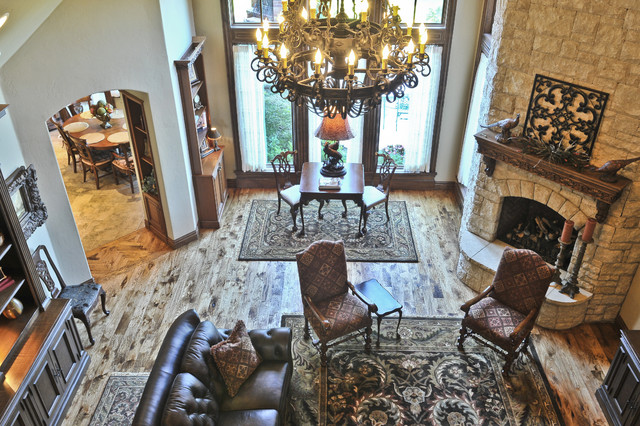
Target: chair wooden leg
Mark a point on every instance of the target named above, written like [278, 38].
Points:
[87, 324]
[344, 204]
[95, 172]
[279, 201]
[511, 355]
[366, 217]
[386, 209]
[462, 337]
[307, 335]
[131, 183]
[103, 298]
[301, 216]
[294, 214]
[323, 354]
[84, 173]
[75, 163]
[115, 174]
[367, 339]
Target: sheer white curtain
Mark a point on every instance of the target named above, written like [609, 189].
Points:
[469, 143]
[250, 103]
[423, 101]
[354, 146]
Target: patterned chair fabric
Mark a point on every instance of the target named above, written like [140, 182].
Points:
[505, 313]
[522, 280]
[322, 269]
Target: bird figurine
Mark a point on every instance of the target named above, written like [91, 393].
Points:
[609, 169]
[506, 126]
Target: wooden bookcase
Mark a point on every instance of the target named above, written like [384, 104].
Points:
[41, 356]
[144, 160]
[207, 165]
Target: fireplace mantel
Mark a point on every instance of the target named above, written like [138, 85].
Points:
[586, 181]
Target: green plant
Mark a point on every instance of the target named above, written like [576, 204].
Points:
[396, 152]
[570, 155]
[149, 185]
[277, 122]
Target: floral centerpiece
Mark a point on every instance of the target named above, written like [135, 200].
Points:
[102, 111]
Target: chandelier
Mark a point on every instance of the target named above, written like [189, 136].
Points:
[315, 59]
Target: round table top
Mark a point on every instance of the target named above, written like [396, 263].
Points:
[118, 125]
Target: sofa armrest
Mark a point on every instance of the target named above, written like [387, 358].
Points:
[273, 344]
[165, 369]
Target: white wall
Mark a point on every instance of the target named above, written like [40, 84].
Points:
[86, 47]
[459, 81]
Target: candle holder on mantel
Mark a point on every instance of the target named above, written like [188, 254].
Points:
[570, 285]
[562, 254]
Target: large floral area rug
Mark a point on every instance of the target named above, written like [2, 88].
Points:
[119, 400]
[421, 379]
[268, 236]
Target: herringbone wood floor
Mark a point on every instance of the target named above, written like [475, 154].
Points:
[148, 286]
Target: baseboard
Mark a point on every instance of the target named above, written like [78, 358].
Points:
[185, 239]
[459, 191]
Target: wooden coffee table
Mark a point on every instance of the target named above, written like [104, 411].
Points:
[385, 302]
[352, 188]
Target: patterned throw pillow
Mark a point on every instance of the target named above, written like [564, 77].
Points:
[236, 358]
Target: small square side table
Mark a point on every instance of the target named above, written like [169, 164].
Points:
[385, 302]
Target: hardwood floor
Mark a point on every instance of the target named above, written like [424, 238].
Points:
[149, 286]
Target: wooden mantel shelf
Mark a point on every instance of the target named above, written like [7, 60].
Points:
[585, 181]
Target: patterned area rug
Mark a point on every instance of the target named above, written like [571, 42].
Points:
[420, 379]
[119, 399]
[269, 237]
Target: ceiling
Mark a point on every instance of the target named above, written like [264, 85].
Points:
[24, 19]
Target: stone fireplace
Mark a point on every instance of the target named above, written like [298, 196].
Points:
[589, 44]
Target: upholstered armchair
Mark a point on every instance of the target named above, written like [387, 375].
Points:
[284, 169]
[505, 312]
[376, 195]
[333, 307]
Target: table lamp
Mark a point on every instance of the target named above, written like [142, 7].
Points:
[333, 129]
[212, 137]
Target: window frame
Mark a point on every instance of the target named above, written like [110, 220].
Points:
[243, 33]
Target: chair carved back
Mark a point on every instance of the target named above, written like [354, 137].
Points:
[76, 108]
[83, 149]
[522, 280]
[322, 269]
[123, 161]
[284, 169]
[43, 270]
[386, 171]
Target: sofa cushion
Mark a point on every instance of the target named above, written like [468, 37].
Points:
[236, 358]
[249, 418]
[262, 390]
[197, 359]
[189, 403]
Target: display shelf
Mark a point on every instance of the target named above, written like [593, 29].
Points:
[8, 293]
[13, 334]
[195, 88]
[148, 160]
[140, 129]
[5, 249]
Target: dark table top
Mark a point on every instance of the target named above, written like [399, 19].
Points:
[352, 186]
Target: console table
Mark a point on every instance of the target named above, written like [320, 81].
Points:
[619, 395]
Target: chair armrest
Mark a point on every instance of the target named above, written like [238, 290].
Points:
[372, 306]
[273, 344]
[525, 323]
[325, 322]
[465, 308]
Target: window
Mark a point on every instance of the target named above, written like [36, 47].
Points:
[265, 124]
[264, 118]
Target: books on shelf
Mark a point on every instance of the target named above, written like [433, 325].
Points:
[329, 183]
[6, 283]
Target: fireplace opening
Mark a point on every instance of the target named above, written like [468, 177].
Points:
[528, 224]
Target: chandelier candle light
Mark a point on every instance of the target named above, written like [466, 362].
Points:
[315, 58]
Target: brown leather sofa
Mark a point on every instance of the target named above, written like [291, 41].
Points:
[185, 387]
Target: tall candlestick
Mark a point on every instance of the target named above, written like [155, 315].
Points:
[566, 231]
[588, 230]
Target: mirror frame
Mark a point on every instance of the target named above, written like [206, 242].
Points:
[22, 183]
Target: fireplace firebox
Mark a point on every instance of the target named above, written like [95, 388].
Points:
[526, 223]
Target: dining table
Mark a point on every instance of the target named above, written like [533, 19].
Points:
[87, 127]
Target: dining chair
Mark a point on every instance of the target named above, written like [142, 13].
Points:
[89, 163]
[335, 309]
[284, 169]
[75, 108]
[72, 151]
[123, 164]
[64, 114]
[505, 312]
[375, 195]
[83, 297]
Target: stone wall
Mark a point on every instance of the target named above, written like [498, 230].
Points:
[593, 43]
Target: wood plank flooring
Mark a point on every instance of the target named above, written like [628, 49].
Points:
[149, 286]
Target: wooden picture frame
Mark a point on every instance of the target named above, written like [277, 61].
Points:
[193, 75]
[26, 200]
